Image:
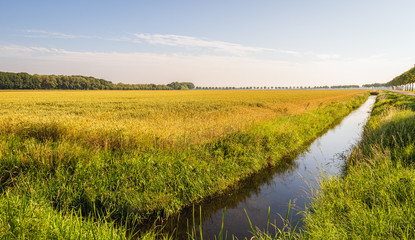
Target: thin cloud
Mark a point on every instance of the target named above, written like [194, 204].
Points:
[221, 46]
[187, 42]
[194, 42]
[17, 50]
[45, 34]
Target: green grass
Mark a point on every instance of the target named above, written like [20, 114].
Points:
[24, 218]
[58, 185]
[376, 197]
[287, 231]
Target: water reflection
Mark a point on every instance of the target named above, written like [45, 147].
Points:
[275, 187]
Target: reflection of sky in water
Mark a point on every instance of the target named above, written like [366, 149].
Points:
[322, 157]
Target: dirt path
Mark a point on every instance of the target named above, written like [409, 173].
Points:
[405, 93]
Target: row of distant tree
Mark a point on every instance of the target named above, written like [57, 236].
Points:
[10, 80]
[292, 87]
[375, 85]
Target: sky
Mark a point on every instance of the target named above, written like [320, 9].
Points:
[224, 43]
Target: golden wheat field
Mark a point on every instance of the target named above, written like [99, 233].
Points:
[148, 119]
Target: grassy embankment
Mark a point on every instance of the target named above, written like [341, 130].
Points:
[376, 197]
[73, 162]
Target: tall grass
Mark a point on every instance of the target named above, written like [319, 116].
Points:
[49, 155]
[287, 231]
[375, 200]
[272, 232]
[149, 120]
[23, 217]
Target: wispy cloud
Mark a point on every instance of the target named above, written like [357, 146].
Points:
[190, 43]
[172, 40]
[31, 33]
[47, 34]
[194, 42]
[12, 50]
[222, 46]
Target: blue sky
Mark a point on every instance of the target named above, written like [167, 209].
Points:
[211, 43]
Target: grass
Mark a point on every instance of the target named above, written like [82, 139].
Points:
[376, 197]
[148, 119]
[24, 218]
[94, 157]
[287, 231]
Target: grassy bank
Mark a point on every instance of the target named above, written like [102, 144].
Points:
[48, 165]
[376, 197]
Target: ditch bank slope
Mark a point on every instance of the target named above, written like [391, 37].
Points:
[376, 197]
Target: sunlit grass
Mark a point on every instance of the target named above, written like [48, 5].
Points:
[148, 119]
[23, 217]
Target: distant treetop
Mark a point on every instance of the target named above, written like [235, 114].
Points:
[181, 85]
[345, 86]
[375, 85]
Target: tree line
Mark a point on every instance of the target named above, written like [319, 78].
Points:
[375, 85]
[345, 86]
[9, 80]
[281, 88]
